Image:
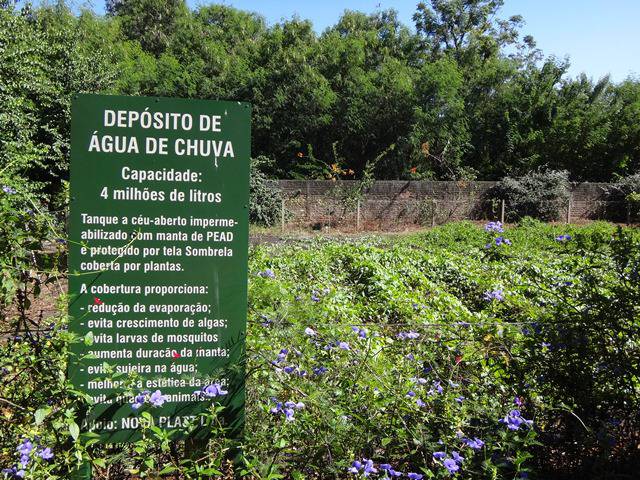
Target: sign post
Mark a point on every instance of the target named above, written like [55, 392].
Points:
[158, 256]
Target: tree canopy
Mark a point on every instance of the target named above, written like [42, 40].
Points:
[461, 94]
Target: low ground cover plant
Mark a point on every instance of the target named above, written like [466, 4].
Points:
[466, 352]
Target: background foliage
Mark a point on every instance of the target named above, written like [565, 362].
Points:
[462, 95]
[538, 194]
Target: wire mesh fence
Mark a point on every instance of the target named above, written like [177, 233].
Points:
[397, 206]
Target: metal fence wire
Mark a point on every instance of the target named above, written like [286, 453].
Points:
[397, 205]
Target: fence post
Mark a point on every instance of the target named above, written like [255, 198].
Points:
[282, 215]
[502, 212]
[628, 213]
[358, 216]
[307, 207]
[569, 210]
[433, 213]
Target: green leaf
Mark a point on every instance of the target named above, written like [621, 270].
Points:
[210, 471]
[74, 430]
[41, 413]
[168, 469]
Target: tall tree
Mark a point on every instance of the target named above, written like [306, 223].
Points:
[151, 22]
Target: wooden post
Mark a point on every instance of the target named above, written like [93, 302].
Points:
[569, 210]
[433, 213]
[307, 206]
[628, 212]
[502, 212]
[358, 216]
[282, 215]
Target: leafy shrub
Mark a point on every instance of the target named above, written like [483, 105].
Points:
[630, 184]
[628, 189]
[540, 194]
[265, 197]
[452, 350]
[24, 228]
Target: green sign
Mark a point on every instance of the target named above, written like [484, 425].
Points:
[158, 259]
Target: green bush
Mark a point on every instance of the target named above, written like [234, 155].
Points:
[628, 189]
[541, 194]
[265, 196]
[520, 356]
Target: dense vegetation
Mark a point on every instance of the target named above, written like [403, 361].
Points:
[465, 352]
[463, 94]
[461, 352]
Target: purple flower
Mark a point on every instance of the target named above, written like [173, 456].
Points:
[366, 466]
[369, 468]
[309, 331]
[25, 447]
[460, 399]
[451, 465]
[268, 273]
[319, 370]
[45, 454]
[514, 420]
[211, 391]
[408, 335]
[490, 295]
[139, 400]
[355, 466]
[265, 320]
[494, 227]
[362, 333]
[314, 298]
[475, 444]
[13, 472]
[389, 471]
[281, 356]
[420, 403]
[501, 241]
[518, 401]
[411, 393]
[415, 476]
[563, 238]
[157, 399]
[8, 190]
[288, 409]
[439, 455]
[457, 457]
[343, 346]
